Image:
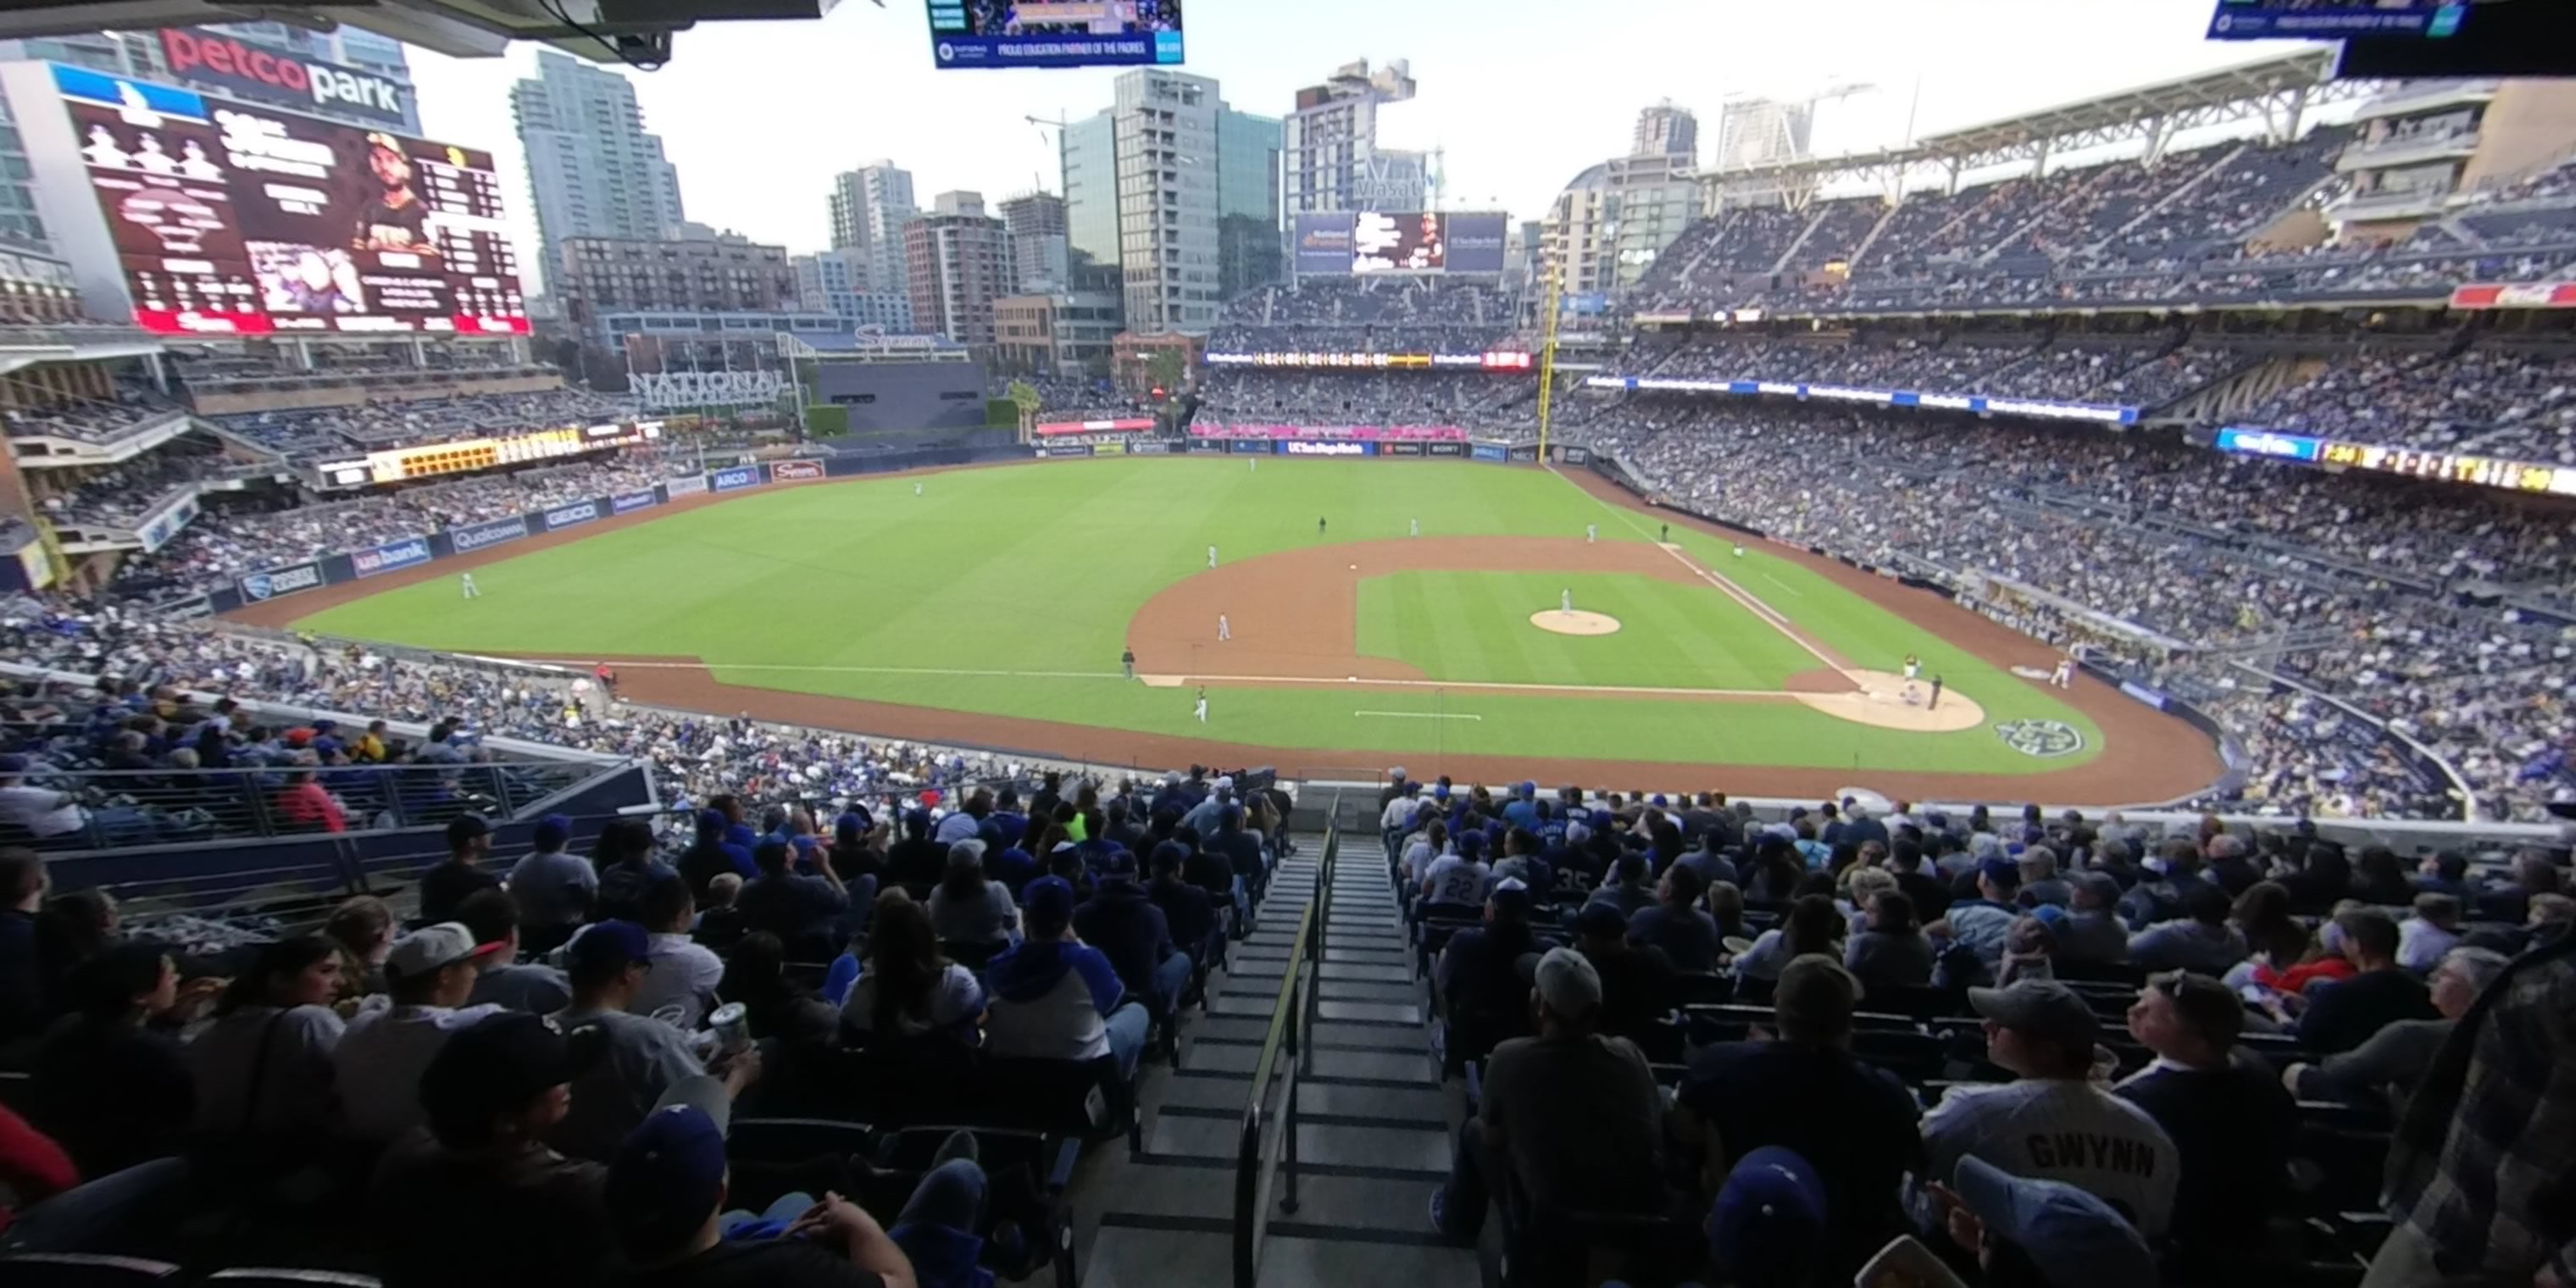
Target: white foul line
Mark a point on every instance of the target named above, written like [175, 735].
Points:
[1419, 715]
[1343, 681]
[1769, 615]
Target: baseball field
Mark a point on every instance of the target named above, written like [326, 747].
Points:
[1538, 620]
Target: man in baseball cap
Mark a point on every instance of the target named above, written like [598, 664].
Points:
[2045, 1234]
[1574, 1114]
[479, 1197]
[665, 1193]
[1057, 998]
[2053, 1122]
[378, 1064]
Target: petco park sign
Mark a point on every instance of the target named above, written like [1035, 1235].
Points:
[259, 74]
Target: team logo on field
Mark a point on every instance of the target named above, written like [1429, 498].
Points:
[2043, 738]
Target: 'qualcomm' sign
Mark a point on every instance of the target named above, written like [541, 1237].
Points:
[475, 536]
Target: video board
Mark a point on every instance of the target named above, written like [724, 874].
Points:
[1055, 33]
[233, 218]
[2336, 19]
[1404, 242]
[1412, 241]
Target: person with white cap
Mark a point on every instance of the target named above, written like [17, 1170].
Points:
[378, 1064]
[1572, 1117]
[2041, 1234]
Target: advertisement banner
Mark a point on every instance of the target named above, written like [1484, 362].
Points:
[186, 610]
[1491, 452]
[1476, 243]
[1109, 449]
[567, 516]
[165, 525]
[1064, 451]
[2517, 295]
[795, 471]
[1412, 449]
[1302, 447]
[280, 581]
[1148, 449]
[1248, 445]
[631, 502]
[475, 536]
[1574, 455]
[1127, 425]
[1444, 449]
[735, 479]
[1323, 244]
[685, 485]
[1524, 453]
[392, 556]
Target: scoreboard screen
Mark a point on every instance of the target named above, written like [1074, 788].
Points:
[1407, 242]
[1055, 33]
[2336, 19]
[231, 218]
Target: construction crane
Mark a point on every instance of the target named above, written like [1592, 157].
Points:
[1042, 122]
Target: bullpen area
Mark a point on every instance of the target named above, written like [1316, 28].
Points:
[1488, 621]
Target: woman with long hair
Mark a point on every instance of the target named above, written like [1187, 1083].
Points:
[756, 976]
[968, 908]
[2284, 956]
[1726, 906]
[908, 988]
[1812, 926]
[263, 1067]
[1891, 948]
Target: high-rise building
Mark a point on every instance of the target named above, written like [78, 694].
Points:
[1039, 249]
[1757, 131]
[1329, 146]
[594, 169]
[1666, 130]
[1608, 225]
[1178, 165]
[958, 262]
[835, 282]
[701, 272]
[869, 207]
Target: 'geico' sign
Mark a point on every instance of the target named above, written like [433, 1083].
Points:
[265, 75]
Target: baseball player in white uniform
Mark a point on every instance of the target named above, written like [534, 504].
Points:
[1913, 666]
[1211, 556]
[2064, 676]
[470, 591]
[1201, 710]
[1224, 629]
[1417, 526]
[916, 489]
[1591, 533]
[1565, 603]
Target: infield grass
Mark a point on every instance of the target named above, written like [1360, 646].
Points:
[1008, 591]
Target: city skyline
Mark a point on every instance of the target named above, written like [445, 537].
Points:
[765, 170]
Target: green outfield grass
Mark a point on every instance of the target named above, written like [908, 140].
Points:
[1008, 591]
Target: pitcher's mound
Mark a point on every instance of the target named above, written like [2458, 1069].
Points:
[1891, 701]
[1577, 622]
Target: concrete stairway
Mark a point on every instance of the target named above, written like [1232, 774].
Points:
[1374, 1126]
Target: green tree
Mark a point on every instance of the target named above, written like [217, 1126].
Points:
[1023, 395]
[1167, 368]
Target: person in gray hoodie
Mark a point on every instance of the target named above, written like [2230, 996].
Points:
[2201, 940]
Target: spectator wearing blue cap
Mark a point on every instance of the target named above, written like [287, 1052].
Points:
[1769, 1225]
[1982, 924]
[1125, 925]
[1455, 884]
[2031, 1233]
[1523, 809]
[641, 1061]
[554, 888]
[666, 1189]
[1054, 997]
[713, 852]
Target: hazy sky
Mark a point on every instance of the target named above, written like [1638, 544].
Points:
[1522, 95]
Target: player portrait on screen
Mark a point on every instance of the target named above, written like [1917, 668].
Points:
[394, 217]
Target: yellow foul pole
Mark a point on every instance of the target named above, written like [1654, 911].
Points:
[1547, 359]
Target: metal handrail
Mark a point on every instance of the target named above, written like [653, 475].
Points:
[1292, 1017]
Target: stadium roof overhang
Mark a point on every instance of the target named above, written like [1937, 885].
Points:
[2274, 91]
[632, 31]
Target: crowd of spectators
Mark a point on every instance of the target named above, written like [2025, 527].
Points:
[2352, 578]
[2490, 400]
[381, 424]
[2145, 372]
[1408, 303]
[96, 420]
[1485, 403]
[2081, 1051]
